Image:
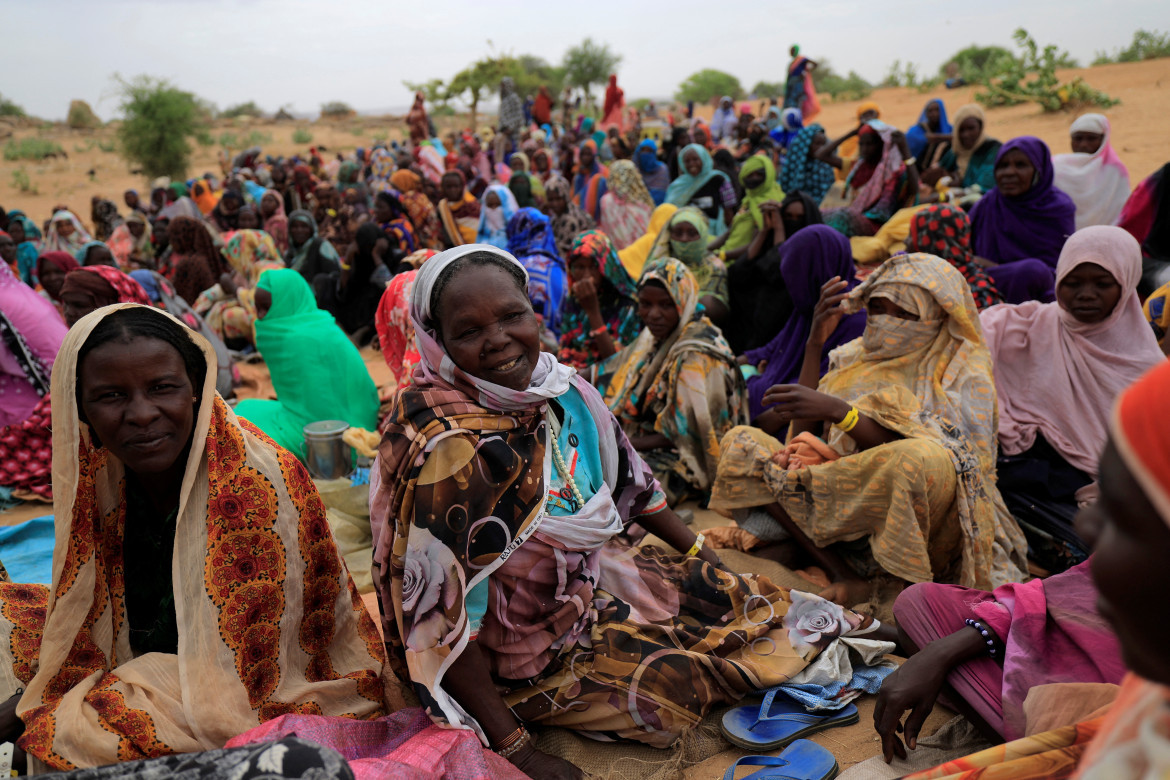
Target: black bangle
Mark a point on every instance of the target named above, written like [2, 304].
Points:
[975, 624]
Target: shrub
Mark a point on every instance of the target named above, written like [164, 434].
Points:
[337, 110]
[22, 183]
[1146, 45]
[204, 137]
[228, 140]
[8, 108]
[107, 146]
[302, 136]
[242, 109]
[851, 87]
[901, 75]
[159, 118]
[256, 138]
[81, 116]
[35, 149]
[1032, 79]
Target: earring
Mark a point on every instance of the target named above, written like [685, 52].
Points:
[194, 399]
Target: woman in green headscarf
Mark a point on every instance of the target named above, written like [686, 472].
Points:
[685, 238]
[316, 370]
[758, 177]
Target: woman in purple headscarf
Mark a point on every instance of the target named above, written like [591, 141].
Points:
[808, 261]
[1020, 226]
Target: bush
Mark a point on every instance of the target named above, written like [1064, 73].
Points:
[204, 137]
[107, 146]
[851, 87]
[769, 89]
[977, 64]
[1032, 79]
[228, 140]
[256, 138]
[35, 149]
[302, 136]
[81, 116]
[1146, 45]
[901, 75]
[159, 118]
[243, 109]
[22, 183]
[8, 108]
[337, 110]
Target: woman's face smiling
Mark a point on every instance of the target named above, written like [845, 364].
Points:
[487, 326]
[139, 402]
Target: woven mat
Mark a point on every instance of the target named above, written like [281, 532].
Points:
[634, 761]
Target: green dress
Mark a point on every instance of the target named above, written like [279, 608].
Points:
[316, 370]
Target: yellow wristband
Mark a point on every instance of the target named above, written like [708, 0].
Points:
[698, 545]
[850, 421]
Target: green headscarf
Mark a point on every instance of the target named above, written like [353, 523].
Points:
[693, 254]
[316, 370]
[749, 218]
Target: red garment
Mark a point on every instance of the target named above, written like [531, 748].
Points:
[113, 286]
[542, 107]
[26, 452]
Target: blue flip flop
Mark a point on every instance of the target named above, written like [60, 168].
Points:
[775, 723]
[802, 760]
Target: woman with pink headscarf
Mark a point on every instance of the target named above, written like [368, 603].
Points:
[1093, 175]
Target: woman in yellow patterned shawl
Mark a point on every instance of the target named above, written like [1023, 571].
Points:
[678, 390]
[196, 590]
[912, 488]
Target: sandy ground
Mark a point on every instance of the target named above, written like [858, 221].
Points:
[1138, 135]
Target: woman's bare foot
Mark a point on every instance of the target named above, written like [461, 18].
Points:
[847, 592]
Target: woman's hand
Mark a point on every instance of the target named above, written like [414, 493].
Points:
[828, 312]
[914, 686]
[797, 402]
[584, 293]
[898, 138]
[983, 262]
[227, 283]
[533, 763]
[743, 360]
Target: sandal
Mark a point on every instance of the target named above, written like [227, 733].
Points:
[774, 724]
[802, 760]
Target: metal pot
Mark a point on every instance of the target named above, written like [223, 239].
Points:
[326, 454]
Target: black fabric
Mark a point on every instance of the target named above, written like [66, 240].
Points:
[1039, 487]
[759, 301]
[1156, 246]
[707, 199]
[148, 544]
[290, 757]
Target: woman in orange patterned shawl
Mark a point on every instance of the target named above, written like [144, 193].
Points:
[196, 591]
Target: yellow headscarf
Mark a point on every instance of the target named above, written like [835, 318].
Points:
[634, 256]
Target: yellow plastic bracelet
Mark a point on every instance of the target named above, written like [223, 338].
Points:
[850, 421]
[698, 545]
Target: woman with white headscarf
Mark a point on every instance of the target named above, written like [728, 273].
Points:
[1093, 175]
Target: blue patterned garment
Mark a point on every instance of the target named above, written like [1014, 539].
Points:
[530, 240]
[801, 171]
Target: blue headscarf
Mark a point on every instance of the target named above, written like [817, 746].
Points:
[81, 254]
[531, 241]
[654, 172]
[916, 136]
[791, 122]
[493, 223]
[801, 171]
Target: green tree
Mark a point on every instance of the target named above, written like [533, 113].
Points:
[1146, 45]
[477, 81]
[828, 81]
[589, 63]
[531, 72]
[158, 120]
[707, 84]
[769, 89]
[336, 109]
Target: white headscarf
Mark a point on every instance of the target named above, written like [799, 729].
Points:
[1098, 183]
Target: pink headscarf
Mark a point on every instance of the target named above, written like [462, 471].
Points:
[1099, 182]
[1058, 376]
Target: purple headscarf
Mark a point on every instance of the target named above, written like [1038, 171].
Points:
[1032, 225]
[813, 256]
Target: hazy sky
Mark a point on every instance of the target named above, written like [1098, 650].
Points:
[306, 52]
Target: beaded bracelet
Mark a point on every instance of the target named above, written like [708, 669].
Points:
[975, 624]
[598, 331]
[513, 743]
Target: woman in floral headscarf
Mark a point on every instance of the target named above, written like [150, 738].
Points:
[879, 183]
[676, 389]
[626, 207]
[230, 306]
[418, 207]
[944, 230]
[685, 238]
[908, 412]
[601, 313]
[488, 554]
[568, 219]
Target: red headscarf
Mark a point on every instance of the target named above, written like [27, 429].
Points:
[104, 285]
[1140, 431]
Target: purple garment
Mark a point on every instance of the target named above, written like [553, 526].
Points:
[1051, 630]
[1032, 225]
[1025, 280]
[813, 256]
